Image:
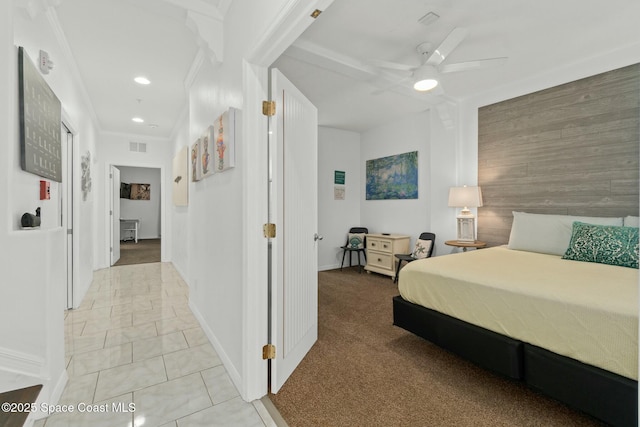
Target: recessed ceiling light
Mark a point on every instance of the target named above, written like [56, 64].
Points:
[142, 80]
[138, 120]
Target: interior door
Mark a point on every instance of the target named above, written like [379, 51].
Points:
[114, 175]
[66, 220]
[293, 205]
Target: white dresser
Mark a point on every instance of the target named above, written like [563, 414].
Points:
[381, 251]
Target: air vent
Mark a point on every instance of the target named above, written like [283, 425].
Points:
[140, 147]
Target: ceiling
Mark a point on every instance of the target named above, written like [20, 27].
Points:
[334, 61]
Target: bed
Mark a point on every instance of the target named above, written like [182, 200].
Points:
[567, 328]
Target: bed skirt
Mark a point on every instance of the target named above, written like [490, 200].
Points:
[609, 397]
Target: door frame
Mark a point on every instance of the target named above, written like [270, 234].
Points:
[165, 239]
[75, 209]
[289, 24]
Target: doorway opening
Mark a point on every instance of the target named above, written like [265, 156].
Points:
[136, 215]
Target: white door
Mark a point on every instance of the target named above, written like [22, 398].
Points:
[114, 175]
[293, 208]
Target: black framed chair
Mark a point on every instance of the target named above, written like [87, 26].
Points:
[412, 256]
[354, 246]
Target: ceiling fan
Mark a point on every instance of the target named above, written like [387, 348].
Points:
[426, 75]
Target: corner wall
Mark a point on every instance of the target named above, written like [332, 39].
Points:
[337, 150]
[410, 217]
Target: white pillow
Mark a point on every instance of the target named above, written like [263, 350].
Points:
[548, 234]
[631, 221]
[422, 248]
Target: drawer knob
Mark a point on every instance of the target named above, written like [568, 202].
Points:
[379, 260]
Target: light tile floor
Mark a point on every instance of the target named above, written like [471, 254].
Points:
[134, 342]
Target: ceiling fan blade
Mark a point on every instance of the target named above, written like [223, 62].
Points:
[393, 65]
[472, 65]
[381, 89]
[447, 46]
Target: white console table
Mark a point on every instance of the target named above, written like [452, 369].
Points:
[132, 225]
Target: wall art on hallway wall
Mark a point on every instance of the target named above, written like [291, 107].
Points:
[196, 165]
[224, 140]
[206, 152]
[180, 180]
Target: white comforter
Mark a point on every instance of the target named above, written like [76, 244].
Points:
[585, 311]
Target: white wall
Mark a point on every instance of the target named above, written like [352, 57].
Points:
[337, 150]
[408, 216]
[32, 263]
[214, 234]
[147, 211]
[179, 223]
[226, 268]
[114, 149]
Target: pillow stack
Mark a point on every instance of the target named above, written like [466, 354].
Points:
[606, 240]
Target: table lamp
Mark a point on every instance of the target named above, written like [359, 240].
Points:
[465, 198]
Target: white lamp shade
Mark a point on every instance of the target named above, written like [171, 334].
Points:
[465, 197]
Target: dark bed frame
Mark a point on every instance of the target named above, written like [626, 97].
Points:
[602, 394]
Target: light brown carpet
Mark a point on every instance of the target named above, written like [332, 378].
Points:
[143, 252]
[363, 371]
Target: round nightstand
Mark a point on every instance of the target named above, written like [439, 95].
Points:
[464, 245]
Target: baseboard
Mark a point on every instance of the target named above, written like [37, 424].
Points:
[328, 267]
[226, 360]
[17, 365]
[50, 396]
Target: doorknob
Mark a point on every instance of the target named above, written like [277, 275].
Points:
[317, 237]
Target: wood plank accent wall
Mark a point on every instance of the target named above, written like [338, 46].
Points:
[571, 149]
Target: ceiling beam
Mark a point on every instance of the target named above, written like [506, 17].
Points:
[199, 6]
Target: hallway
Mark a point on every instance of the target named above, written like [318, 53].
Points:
[137, 356]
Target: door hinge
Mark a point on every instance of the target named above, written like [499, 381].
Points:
[269, 108]
[269, 230]
[268, 352]
[111, 213]
[316, 13]
[111, 249]
[110, 175]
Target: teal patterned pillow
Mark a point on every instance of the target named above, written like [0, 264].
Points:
[356, 240]
[605, 244]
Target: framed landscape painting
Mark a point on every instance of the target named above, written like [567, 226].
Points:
[393, 177]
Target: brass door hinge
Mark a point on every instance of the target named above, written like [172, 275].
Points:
[268, 352]
[269, 230]
[269, 108]
[316, 13]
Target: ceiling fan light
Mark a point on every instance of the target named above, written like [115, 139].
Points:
[426, 79]
[425, 85]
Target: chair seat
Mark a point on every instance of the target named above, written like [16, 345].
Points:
[406, 257]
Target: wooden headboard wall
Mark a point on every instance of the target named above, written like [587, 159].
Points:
[571, 149]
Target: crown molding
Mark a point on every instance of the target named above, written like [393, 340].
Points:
[198, 60]
[209, 34]
[36, 7]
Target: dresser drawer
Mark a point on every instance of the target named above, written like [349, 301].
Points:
[381, 245]
[380, 259]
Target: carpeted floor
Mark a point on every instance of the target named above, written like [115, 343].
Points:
[363, 371]
[143, 252]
